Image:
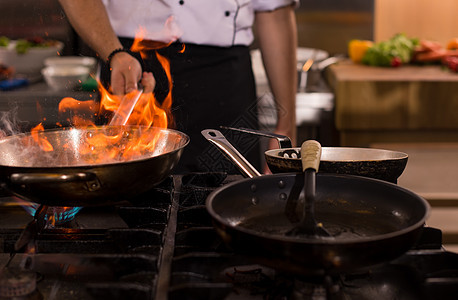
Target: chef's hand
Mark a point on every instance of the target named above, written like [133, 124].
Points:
[126, 72]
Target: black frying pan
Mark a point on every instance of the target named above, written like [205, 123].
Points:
[371, 221]
[375, 163]
[369, 162]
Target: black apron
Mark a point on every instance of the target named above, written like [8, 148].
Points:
[212, 86]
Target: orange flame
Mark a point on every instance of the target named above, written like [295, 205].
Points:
[43, 142]
[147, 112]
[82, 111]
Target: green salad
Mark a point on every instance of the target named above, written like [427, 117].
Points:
[393, 52]
[23, 45]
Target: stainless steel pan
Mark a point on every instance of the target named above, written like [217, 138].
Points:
[77, 175]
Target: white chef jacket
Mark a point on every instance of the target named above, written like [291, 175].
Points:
[205, 22]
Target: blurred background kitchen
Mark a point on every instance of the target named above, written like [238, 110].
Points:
[413, 110]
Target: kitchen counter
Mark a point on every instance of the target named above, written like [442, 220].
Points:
[405, 104]
[432, 172]
[37, 103]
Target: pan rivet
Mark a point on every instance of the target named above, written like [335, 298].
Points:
[253, 187]
[255, 201]
[281, 184]
[283, 196]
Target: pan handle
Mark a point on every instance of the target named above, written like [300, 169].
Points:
[283, 140]
[27, 178]
[218, 139]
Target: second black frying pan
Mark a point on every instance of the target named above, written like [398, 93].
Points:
[368, 162]
[375, 163]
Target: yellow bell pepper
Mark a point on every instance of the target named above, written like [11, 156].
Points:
[357, 49]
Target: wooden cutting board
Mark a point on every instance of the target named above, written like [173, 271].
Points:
[419, 103]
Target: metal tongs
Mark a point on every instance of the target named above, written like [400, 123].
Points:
[126, 107]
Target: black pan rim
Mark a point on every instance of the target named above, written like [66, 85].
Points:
[420, 223]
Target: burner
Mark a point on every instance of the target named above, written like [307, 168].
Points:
[18, 283]
[56, 215]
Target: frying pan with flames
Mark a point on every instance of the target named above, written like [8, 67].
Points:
[87, 167]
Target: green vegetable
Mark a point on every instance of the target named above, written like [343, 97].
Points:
[22, 46]
[383, 53]
[4, 41]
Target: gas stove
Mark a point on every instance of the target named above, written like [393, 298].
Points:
[162, 245]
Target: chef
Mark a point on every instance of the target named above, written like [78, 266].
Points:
[207, 43]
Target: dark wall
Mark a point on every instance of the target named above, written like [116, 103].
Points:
[44, 18]
[330, 24]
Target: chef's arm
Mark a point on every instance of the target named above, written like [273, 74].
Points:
[90, 20]
[277, 35]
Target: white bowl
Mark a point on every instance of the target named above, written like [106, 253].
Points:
[31, 62]
[84, 61]
[65, 77]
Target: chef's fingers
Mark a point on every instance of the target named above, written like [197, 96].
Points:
[148, 82]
